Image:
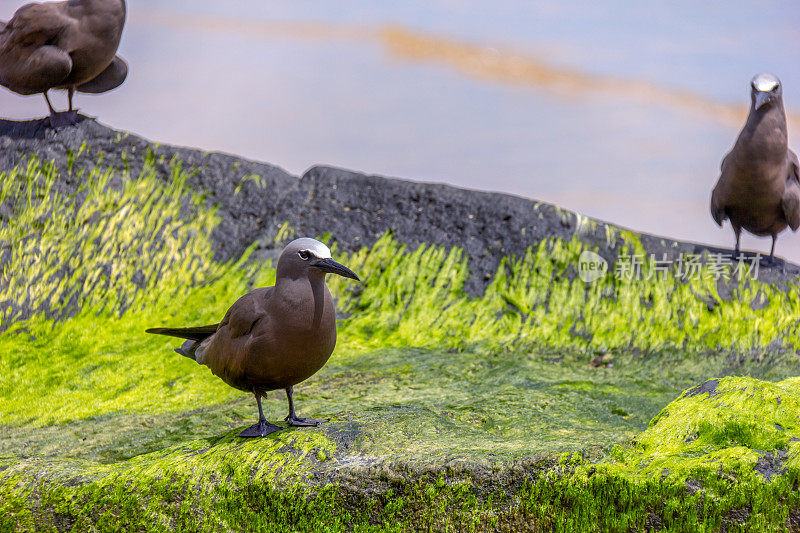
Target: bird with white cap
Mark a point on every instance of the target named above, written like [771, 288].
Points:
[273, 337]
[759, 185]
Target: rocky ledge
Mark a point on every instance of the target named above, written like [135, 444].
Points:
[478, 383]
[353, 208]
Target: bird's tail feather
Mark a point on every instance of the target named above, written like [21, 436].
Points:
[196, 334]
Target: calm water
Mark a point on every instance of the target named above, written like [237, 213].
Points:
[620, 110]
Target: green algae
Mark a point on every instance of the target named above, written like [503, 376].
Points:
[725, 423]
[722, 455]
[162, 491]
[114, 244]
[303, 480]
[415, 298]
[439, 404]
[105, 427]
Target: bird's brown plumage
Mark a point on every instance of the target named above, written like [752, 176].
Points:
[273, 337]
[63, 45]
[759, 188]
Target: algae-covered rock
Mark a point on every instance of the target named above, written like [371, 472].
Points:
[735, 423]
[325, 479]
[539, 402]
[254, 200]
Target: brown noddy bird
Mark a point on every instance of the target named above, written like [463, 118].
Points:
[273, 337]
[69, 45]
[759, 186]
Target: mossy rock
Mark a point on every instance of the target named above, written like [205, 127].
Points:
[728, 460]
[537, 405]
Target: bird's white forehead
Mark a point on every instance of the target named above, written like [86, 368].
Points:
[312, 245]
[765, 82]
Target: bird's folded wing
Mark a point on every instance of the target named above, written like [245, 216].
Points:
[246, 312]
[719, 193]
[790, 202]
[30, 60]
[722, 163]
[37, 25]
[717, 207]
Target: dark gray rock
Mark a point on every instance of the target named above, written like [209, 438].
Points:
[709, 387]
[354, 208]
[771, 463]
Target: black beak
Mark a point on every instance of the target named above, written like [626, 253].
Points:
[329, 265]
[762, 98]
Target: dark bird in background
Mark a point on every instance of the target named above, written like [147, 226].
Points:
[759, 186]
[273, 337]
[63, 45]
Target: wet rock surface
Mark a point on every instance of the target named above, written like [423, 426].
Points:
[255, 199]
[709, 387]
[494, 440]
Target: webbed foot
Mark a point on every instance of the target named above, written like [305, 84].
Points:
[304, 422]
[260, 429]
[772, 262]
[63, 119]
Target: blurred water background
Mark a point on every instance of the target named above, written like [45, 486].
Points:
[620, 110]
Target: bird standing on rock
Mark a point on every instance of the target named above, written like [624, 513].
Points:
[67, 45]
[273, 337]
[759, 186]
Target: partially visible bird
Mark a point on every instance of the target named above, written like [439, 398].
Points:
[273, 337]
[759, 186]
[68, 45]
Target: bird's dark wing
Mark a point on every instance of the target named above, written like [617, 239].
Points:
[717, 207]
[246, 312]
[227, 351]
[794, 166]
[722, 163]
[37, 25]
[790, 202]
[111, 78]
[30, 59]
[196, 333]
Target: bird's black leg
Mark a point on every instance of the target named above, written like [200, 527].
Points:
[295, 420]
[262, 428]
[738, 232]
[49, 105]
[65, 118]
[70, 94]
[771, 260]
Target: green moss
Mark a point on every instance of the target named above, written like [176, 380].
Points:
[116, 244]
[447, 411]
[303, 480]
[722, 424]
[535, 301]
[722, 454]
[169, 489]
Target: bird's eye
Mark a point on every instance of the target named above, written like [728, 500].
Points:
[304, 255]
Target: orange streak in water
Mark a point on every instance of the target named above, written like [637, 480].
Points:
[479, 62]
[508, 67]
